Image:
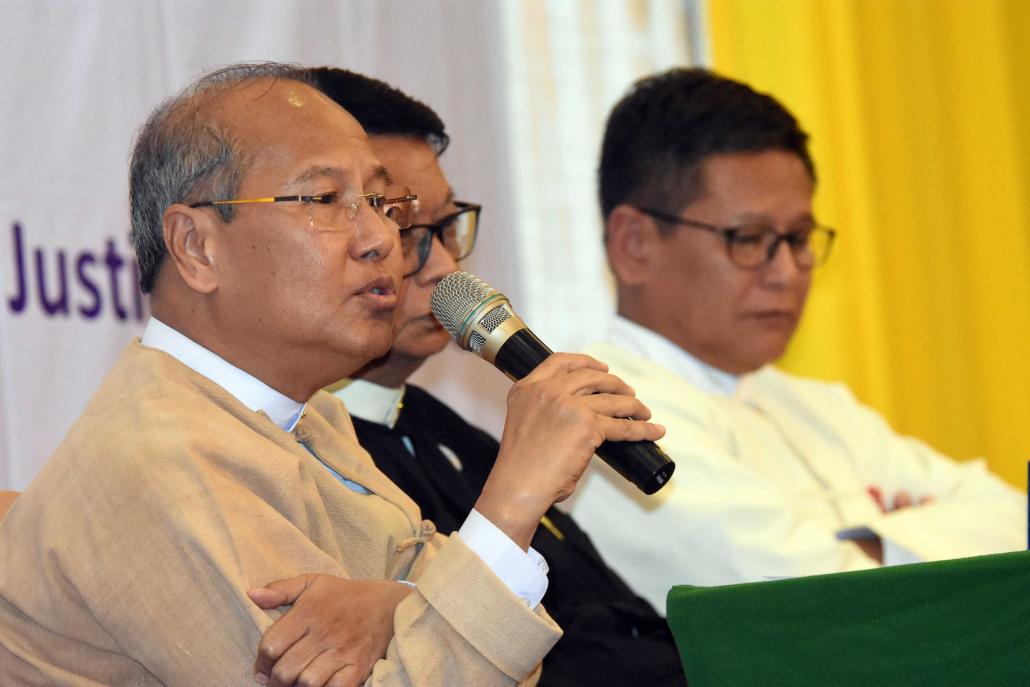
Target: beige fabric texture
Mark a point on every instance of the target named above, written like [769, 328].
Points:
[127, 561]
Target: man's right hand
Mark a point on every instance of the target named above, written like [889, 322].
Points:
[557, 417]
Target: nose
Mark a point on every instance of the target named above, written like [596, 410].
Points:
[375, 238]
[782, 267]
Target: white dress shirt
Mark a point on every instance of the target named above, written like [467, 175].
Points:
[772, 475]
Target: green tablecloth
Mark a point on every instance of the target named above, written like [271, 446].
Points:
[961, 622]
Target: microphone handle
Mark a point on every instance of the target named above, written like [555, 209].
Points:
[641, 462]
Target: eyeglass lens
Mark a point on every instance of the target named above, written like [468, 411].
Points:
[329, 209]
[755, 246]
[457, 235]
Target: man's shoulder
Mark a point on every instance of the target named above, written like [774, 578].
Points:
[151, 421]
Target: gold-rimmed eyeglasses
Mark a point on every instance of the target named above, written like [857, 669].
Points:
[397, 206]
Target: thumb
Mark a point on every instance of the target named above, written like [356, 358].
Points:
[280, 592]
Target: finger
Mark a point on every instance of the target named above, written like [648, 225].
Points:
[583, 382]
[281, 592]
[332, 667]
[877, 496]
[619, 407]
[293, 663]
[615, 429]
[925, 500]
[348, 677]
[563, 363]
[275, 642]
[902, 500]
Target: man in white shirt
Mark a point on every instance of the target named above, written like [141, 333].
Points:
[209, 464]
[706, 188]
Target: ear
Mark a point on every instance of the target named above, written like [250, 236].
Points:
[632, 244]
[190, 239]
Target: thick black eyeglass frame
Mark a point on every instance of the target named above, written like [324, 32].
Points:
[727, 234]
[436, 230]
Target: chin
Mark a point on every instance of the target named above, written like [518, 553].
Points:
[425, 348]
[415, 341]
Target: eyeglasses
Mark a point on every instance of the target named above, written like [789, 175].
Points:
[751, 246]
[326, 209]
[457, 233]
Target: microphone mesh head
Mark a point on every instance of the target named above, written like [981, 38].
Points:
[455, 297]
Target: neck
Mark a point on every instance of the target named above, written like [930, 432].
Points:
[656, 321]
[391, 370]
[291, 374]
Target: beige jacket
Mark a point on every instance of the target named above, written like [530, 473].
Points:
[127, 560]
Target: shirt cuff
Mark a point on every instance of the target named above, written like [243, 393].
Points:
[524, 572]
[895, 554]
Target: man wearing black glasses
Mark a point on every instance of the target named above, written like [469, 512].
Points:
[611, 636]
[706, 189]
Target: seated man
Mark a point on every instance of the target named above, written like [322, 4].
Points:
[208, 463]
[612, 636]
[706, 188]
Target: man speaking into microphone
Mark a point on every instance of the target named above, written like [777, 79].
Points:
[209, 463]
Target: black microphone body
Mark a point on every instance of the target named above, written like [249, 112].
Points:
[482, 322]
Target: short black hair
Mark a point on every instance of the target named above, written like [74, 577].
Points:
[661, 131]
[381, 109]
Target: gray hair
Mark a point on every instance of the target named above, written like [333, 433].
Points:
[181, 153]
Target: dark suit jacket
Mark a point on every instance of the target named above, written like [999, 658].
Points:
[612, 636]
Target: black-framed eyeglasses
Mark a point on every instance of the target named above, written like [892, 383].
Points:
[457, 233]
[327, 208]
[752, 246]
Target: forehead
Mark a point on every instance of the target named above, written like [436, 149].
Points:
[413, 162]
[286, 127]
[764, 181]
[410, 160]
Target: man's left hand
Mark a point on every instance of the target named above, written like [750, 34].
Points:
[334, 633]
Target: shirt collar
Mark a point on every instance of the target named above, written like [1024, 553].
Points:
[248, 390]
[656, 348]
[370, 401]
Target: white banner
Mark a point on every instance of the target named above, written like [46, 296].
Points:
[81, 77]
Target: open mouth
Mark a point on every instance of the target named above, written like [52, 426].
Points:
[380, 292]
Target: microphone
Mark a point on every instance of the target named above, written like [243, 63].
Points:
[481, 320]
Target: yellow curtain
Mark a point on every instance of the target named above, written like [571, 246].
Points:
[919, 112]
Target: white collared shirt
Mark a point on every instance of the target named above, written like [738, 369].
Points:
[248, 390]
[649, 344]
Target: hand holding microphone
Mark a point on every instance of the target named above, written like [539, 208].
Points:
[481, 321]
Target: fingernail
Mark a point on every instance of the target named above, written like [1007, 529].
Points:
[261, 678]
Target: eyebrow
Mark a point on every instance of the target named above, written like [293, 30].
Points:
[319, 171]
[761, 218]
[381, 174]
[315, 172]
[439, 208]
